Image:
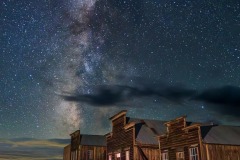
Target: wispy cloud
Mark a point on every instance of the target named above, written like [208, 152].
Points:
[17, 157]
[34, 149]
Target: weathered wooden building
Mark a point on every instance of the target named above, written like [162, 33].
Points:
[85, 147]
[133, 139]
[142, 139]
[194, 141]
[220, 142]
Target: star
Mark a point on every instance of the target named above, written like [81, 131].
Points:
[154, 57]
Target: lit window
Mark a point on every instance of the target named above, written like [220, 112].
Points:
[109, 157]
[127, 155]
[180, 155]
[118, 156]
[165, 156]
[193, 153]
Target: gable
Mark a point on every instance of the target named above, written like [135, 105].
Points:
[146, 131]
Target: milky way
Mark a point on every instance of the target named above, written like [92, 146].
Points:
[54, 53]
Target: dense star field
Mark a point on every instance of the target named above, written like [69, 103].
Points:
[72, 64]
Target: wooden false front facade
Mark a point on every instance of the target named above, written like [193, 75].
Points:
[121, 140]
[181, 142]
[126, 141]
[85, 147]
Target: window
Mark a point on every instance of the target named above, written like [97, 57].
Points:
[109, 157]
[117, 156]
[180, 155]
[127, 155]
[193, 153]
[90, 154]
[165, 156]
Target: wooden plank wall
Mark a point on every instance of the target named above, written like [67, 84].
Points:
[175, 135]
[99, 153]
[66, 152]
[121, 139]
[220, 152]
[152, 153]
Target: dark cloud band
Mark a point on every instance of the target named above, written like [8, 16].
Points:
[225, 100]
[113, 94]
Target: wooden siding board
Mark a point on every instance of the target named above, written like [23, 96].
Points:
[151, 153]
[99, 153]
[220, 152]
[66, 152]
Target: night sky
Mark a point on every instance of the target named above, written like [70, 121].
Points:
[71, 64]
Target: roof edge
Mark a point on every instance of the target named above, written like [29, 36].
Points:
[219, 143]
[176, 119]
[129, 125]
[75, 132]
[119, 114]
[192, 126]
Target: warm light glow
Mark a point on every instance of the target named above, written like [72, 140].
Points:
[118, 155]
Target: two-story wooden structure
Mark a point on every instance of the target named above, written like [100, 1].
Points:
[85, 147]
[195, 141]
[133, 139]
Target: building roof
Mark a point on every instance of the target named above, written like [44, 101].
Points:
[92, 140]
[221, 134]
[147, 130]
